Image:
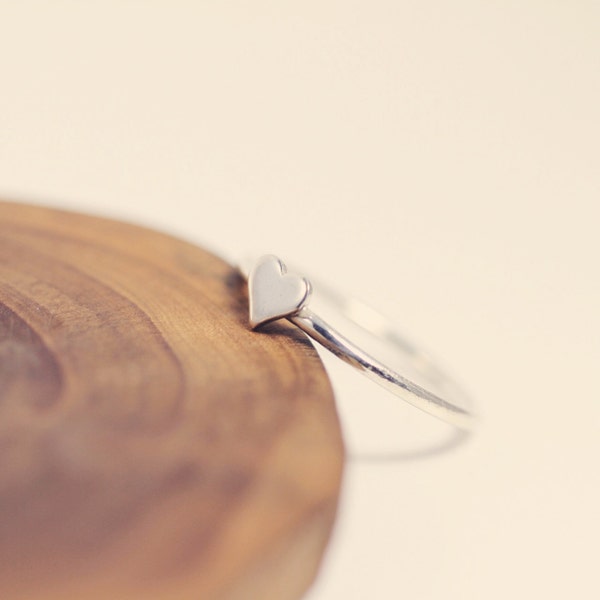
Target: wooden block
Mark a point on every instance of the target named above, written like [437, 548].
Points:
[151, 445]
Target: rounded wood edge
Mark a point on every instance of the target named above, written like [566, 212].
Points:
[155, 445]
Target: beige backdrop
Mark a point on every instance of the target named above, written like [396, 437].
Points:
[442, 159]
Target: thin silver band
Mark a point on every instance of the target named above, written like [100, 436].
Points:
[392, 381]
[270, 288]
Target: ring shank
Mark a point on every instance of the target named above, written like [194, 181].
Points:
[412, 393]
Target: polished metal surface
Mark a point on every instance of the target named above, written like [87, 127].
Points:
[274, 293]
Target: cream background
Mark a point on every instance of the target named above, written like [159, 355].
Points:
[440, 158]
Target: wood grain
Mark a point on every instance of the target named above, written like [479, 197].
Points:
[151, 446]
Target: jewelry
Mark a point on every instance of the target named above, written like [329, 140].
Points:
[276, 294]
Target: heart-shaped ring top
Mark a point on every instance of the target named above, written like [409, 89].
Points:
[274, 293]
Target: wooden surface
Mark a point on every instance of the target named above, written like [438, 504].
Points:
[151, 446]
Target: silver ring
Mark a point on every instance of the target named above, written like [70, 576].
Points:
[276, 294]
